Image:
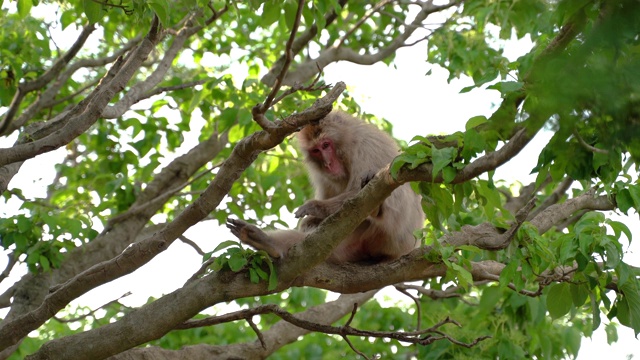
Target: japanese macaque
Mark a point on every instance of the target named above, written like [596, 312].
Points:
[342, 154]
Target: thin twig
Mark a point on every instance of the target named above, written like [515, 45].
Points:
[259, 110]
[258, 332]
[81, 317]
[10, 264]
[415, 300]
[355, 350]
[298, 87]
[201, 271]
[191, 243]
[44, 204]
[413, 337]
[161, 90]
[366, 16]
[162, 197]
[589, 147]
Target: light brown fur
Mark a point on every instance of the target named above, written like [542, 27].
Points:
[361, 150]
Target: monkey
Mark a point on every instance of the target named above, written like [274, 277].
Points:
[342, 153]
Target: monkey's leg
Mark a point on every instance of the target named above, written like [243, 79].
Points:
[252, 235]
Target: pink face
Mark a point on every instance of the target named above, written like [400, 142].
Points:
[324, 153]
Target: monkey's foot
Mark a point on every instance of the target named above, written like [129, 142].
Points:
[253, 236]
[311, 208]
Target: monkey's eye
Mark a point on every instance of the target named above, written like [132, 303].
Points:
[315, 151]
[325, 145]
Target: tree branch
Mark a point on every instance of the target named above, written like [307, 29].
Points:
[105, 246]
[86, 113]
[306, 70]
[44, 79]
[143, 251]
[299, 44]
[258, 111]
[279, 335]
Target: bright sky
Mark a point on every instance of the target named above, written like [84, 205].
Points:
[414, 103]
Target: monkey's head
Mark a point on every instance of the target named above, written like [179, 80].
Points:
[323, 144]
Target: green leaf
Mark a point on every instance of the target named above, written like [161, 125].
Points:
[273, 278]
[624, 273]
[441, 158]
[507, 87]
[619, 228]
[629, 306]
[44, 262]
[290, 11]
[397, 163]
[508, 273]
[225, 244]
[93, 10]
[475, 121]
[24, 224]
[491, 297]
[21, 241]
[634, 192]
[579, 294]
[567, 8]
[261, 273]
[237, 261]
[253, 276]
[466, 89]
[67, 18]
[559, 300]
[270, 12]
[464, 276]
[448, 174]
[612, 333]
[161, 8]
[624, 201]
[24, 7]
[567, 247]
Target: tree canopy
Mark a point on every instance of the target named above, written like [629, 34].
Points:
[167, 114]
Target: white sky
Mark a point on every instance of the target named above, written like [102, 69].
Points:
[415, 104]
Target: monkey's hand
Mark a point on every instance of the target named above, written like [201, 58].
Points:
[253, 236]
[315, 208]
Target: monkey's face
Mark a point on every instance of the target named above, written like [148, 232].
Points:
[323, 153]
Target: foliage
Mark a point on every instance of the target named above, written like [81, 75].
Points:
[531, 266]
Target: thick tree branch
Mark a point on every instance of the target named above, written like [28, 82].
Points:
[554, 197]
[109, 243]
[141, 252]
[485, 236]
[334, 277]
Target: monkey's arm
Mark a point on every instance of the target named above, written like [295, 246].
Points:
[323, 208]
